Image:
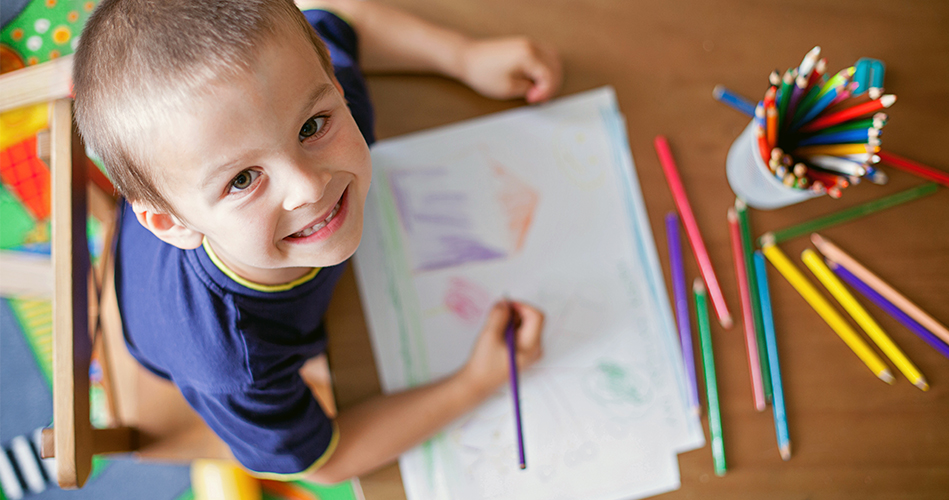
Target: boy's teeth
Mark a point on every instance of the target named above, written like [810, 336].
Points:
[319, 225]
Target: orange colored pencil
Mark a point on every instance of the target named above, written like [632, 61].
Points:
[849, 113]
[771, 114]
[747, 311]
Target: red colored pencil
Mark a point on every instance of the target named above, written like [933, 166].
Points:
[692, 230]
[849, 113]
[914, 167]
[747, 313]
[763, 147]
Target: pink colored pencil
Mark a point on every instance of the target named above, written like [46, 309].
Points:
[914, 167]
[747, 313]
[692, 230]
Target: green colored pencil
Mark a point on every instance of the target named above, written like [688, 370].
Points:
[746, 243]
[851, 213]
[711, 386]
[853, 125]
[787, 83]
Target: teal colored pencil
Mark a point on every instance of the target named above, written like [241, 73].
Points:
[777, 401]
[711, 386]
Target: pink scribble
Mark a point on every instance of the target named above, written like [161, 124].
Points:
[467, 300]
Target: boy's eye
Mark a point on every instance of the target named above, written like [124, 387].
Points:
[312, 127]
[244, 180]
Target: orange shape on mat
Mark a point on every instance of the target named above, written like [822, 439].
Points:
[25, 175]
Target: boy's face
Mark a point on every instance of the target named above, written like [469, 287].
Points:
[269, 166]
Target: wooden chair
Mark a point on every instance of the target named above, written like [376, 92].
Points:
[150, 417]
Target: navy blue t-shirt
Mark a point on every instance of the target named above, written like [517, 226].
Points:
[232, 347]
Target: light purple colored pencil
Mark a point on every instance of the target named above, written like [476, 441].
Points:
[881, 302]
[512, 351]
[679, 293]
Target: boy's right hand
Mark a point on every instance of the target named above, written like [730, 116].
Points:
[511, 67]
[488, 367]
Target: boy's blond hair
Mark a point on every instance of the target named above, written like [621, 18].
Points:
[138, 60]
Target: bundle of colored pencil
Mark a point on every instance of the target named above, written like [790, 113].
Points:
[820, 133]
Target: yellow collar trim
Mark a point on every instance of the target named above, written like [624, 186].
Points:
[250, 284]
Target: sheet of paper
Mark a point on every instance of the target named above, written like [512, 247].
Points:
[539, 204]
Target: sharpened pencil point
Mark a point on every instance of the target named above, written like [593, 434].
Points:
[523, 466]
[786, 452]
[921, 383]
[887, 376]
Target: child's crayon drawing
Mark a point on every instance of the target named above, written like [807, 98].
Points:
[542, 205]
[579, 157]
[450, 224]
[467, 300]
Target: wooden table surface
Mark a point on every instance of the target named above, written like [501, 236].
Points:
[853, 436]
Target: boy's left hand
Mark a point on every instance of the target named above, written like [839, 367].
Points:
[511, 67]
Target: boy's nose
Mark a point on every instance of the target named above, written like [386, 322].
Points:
[305, 185]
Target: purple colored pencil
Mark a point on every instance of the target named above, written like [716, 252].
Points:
[512, 351]
[888, 306]
[679, 293]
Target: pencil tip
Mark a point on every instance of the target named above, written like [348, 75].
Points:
[718, 91]
[740, 204]
[767, 239]
[727, 322]
[887, 376]
[921, 383]
[786, 452]
[523, 466]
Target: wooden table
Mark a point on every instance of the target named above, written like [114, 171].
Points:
[853, 436]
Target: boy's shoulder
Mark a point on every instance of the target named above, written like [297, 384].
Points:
[186, 319]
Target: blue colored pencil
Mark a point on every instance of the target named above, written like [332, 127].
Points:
[888, 307]
[512, 351]
[777, 388]
[843, 137]
[818, 106]
[682, 306]
[734, 100]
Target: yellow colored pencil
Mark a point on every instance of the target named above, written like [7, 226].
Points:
[863, 318]
[826, 311]
[836, 149]
[837, 255]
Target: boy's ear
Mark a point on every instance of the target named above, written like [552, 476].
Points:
[167, 227]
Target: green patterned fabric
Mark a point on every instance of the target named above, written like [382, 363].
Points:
[46, 29]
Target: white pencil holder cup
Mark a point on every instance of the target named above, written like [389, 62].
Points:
[752, 181]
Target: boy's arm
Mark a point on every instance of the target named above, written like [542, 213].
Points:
[391, 40]
[377, 431]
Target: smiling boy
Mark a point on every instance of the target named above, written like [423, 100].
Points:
[240, 141]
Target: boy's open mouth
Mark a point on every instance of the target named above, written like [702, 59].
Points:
[322, 223]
